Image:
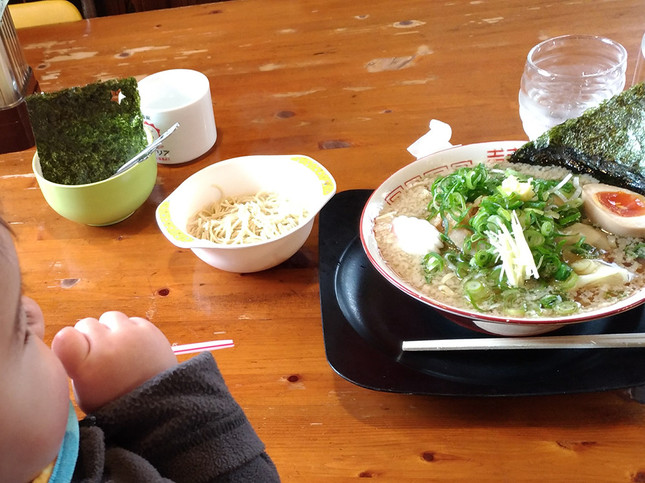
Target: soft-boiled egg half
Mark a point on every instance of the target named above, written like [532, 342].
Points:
[616, 210]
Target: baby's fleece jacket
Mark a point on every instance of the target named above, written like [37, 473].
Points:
[181, 426]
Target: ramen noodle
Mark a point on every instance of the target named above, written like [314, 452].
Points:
[239, 220]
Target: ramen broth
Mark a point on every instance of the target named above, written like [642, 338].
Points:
[399, 222]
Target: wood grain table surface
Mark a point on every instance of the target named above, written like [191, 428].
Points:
[351, 84]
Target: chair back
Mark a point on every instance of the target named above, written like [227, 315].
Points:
[43, 12]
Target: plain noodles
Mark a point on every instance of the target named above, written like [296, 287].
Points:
[238, 220]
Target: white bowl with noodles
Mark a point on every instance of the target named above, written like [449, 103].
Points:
[442, 163]
[298, 179]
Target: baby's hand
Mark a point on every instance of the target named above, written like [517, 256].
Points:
[110, 357]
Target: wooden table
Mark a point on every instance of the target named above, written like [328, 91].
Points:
[352, 84]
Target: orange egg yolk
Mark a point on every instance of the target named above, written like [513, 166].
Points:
[622, 203]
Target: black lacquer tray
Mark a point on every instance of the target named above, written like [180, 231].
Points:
[365, 318]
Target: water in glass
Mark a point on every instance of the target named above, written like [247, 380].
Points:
[567, 75]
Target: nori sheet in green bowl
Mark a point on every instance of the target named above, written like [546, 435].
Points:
[84, 134]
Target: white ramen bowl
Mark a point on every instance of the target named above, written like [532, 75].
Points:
[444, 162]
[300, 179]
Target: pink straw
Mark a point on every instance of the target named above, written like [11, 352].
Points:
[202, 346]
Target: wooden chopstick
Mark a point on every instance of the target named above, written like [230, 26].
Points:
[592, 341]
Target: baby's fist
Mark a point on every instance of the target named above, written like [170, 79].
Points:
[111, 356]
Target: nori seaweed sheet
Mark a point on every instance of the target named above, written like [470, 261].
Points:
[84, 134]
[607, 142]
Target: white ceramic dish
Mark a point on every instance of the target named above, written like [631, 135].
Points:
[299, 178]
[444, 162]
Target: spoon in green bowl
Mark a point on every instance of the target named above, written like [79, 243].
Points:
[147, 151]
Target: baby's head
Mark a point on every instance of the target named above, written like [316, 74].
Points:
[34, 400]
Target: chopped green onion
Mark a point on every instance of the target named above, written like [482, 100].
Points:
[479, 222]
[504, 213]
[563, 272]
[495, 223]
[567, 307]
[636, 250]
[570, 219]
[432, 264]
[476, 290]
[549, 301]
[483, 258]
[547, 228]
[534, 238]
[458, 206]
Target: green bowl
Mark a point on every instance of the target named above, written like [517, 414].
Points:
[104, 202]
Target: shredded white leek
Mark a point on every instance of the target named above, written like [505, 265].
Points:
[517, 260]
[576, 184]
[563, 182]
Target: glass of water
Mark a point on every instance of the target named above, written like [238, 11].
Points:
[564, 76]
[639, 71]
